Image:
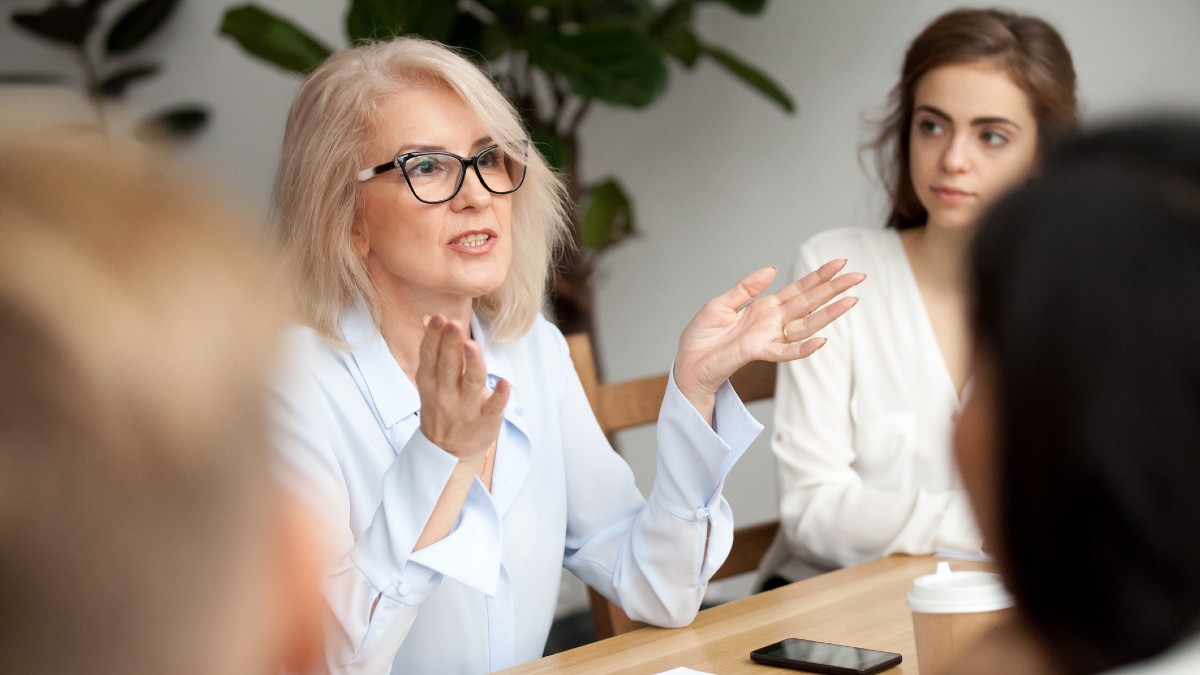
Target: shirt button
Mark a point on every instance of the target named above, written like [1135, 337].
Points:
[403, 587]
[701, 513]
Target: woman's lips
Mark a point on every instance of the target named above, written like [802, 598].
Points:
[475, 242]
[951, 195]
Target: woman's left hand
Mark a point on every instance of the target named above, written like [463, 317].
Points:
[737, 327]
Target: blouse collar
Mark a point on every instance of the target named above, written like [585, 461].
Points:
[394, 396]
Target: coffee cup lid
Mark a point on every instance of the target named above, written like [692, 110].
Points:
[949, 592]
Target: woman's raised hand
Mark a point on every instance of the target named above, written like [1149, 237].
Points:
[458, 412]
[738, 327]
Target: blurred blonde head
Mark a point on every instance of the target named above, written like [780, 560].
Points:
[325, 145]
[139, 531]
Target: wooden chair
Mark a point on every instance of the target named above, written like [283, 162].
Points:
[632, 403]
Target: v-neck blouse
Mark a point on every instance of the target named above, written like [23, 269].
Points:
[862, 435]
[483, 598]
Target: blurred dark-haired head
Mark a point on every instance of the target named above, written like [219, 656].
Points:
[1082, 447]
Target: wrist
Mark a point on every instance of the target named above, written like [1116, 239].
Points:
[691, 386]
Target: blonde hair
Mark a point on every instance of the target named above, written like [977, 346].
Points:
[138, 331]
[325, 145]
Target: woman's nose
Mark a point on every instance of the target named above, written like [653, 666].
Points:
[955, 158]
[472, 193]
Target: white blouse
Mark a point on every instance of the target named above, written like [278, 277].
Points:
[483, 598]
[863, 427]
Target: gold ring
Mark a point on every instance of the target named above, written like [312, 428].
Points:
[786, 340]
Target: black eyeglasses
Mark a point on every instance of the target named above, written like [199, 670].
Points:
[435, 177]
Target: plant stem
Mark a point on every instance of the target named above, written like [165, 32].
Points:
[91, 81]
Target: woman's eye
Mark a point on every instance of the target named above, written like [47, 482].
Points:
[426, 167]
[490, 160]
[929, 127]
[993, 138]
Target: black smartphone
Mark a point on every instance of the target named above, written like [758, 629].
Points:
[823, 657]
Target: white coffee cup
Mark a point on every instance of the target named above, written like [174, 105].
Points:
[950, 610]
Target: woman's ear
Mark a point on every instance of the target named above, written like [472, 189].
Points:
[358, 240]
[297, 563]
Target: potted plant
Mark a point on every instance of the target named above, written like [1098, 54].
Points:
[108, 66]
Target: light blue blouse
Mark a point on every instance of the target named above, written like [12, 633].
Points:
[483, 598]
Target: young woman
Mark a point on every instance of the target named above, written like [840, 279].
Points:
[435, 417]
[1080, 444]
[862, 432]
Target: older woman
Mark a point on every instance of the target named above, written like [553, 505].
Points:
[435, 417]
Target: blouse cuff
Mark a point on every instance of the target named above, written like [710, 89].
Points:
[471, 552]
[694, 458]
[412, 485]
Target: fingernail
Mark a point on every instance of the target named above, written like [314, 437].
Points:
[425, 320]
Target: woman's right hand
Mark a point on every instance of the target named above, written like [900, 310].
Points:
[458, 412]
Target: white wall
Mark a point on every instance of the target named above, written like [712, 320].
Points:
[723, 181]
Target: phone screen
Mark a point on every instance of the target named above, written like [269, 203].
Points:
[823, 657]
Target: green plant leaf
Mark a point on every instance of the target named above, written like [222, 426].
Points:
[673, 31]
[616, 65]
[374, 19]
[377, 19]
[173, 124]
[114, 85]
[482, 40]
[753, 77]
[607, 216]
[628, 12]
[138, 23]
[273, 39]
[506, 12]
[746, 6]
[67, 24]
[551, 145]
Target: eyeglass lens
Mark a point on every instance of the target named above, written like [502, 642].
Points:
[437, 176]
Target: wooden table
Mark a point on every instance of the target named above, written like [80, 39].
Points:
[862, 606]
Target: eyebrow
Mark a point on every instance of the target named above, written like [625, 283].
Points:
[975, 122]
[416, 147]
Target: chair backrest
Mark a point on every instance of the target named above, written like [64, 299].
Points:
[632, 403]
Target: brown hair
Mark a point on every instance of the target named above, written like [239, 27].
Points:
[1026, 48]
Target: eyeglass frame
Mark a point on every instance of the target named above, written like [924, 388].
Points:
[463, 162]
